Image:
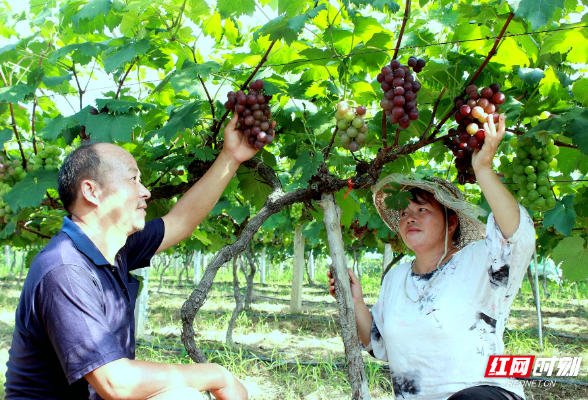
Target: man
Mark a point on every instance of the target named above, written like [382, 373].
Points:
[74, 330]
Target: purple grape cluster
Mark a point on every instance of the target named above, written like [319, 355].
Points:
[254, 114]
[401, 91]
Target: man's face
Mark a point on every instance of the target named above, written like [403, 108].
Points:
[123, 198]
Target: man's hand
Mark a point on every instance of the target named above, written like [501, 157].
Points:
[235, 143]
[232, 390]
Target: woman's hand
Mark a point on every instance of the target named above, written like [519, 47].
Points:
[483, 159]
[356, 292]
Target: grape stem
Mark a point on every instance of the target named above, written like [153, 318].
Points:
[80, 91]
[216, 126]
[396, 138]
[328, 150]
[35, 232]
[492, 51]
[120, 83]
[384, 134]
[562, 144]
[404, 21]
[24, 160]
[161, 176]
[433, 114]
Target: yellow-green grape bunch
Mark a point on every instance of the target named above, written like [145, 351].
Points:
[6, 212]
[296, 213]
[11, 171]
[537, 118]
[47, 157]
[267, 236]
[176, 173]
[352, 128]
[527, 174]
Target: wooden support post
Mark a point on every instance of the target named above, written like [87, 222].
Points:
[297, 271]
[142, 303]
[311, 265]
[356, 369]
[197, 270]
[262, 266]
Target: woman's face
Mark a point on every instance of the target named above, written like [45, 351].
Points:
[422, 226]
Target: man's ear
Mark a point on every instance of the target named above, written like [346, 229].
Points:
[91, 191]
[453, 222]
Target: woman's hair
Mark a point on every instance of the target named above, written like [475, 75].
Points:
[421, 196]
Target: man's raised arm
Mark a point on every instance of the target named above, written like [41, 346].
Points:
[196, 203]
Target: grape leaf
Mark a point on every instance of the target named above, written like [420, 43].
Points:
[125, 54]
[574, 258]
[85, 49]
[122, 106]
[562, 217]
[239, 213]
[580, 91]
[204, 153]
[31, 190]
[311, 232]
[277, 29]
[397, 199]
[349, 206]
[181, 118]
[15, 93]
[297, 23]
[187, 77]
[531, 76]
[92, 10]
[577, 129]
[107, 127]
[537, 12]
[254, 189]
[228, 8]
[5, 136]
[573, 42]
[568, 160]
[157, 209]
[54, 128]
[320, 121]
[306, 166]
[56, 80]
[31, 256]
[381, 5]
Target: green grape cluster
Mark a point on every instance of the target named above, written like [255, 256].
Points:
[527, 174]
[48, 157]
[267, 236]
[296, 213]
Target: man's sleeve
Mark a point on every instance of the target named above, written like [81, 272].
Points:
[69, 307]
[142, 245]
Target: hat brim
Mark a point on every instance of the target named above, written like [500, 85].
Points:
[445, 192]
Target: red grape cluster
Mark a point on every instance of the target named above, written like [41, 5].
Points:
[254, 113]
[359, 231]
[400, 91]
[471, 112]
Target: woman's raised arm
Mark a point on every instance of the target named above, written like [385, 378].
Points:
[504, 206]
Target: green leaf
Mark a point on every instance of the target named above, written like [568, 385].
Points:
[568, 160]
[381, 5]
[239, 213]
[320, 121]
[157, 209]
[56, 80]
[87, 50]
[5, 136]
[181, 118]
[54, 128]
[397, 199]
[122, 106]
[15, 93]
[254, 189]
[577, 129]
[537, 12]
[562, 217]
[92, 10]
[297, 23]
[306, 166]
[277, 29]
[311, 232]
[580, 91]
[349, 206]
[228, 8]
[125, 54]
[574, 258]
[204, 153]
[31, 256]
[531, 76]
[31, 190]
[106, 127]
[187, 78]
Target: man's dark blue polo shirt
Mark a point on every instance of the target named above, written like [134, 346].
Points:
[76, 313]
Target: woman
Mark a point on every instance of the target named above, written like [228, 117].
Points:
[438, 318]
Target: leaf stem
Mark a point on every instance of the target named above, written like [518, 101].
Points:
[122, 81]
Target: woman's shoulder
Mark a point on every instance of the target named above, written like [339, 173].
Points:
[396, 273]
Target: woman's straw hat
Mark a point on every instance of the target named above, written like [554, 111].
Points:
[445, 192]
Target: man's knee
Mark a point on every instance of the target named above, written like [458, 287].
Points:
[179, 394]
